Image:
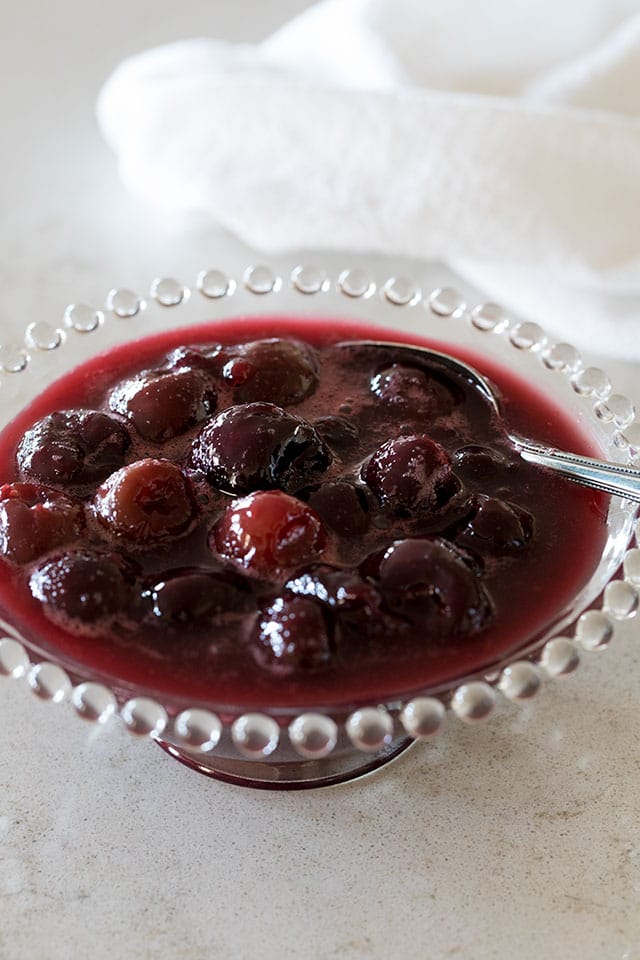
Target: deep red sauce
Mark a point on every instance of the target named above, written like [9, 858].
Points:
[528, 589]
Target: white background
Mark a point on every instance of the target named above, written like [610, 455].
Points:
[519, 839]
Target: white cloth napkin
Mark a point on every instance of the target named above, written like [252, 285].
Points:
[503, 138]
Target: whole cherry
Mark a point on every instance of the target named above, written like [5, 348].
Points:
[35, 519]
[73, 446]
[146, 503]
[411, 473]
[258, 446]
[85, 584]
[292, 637]
[430, 584]
[162, 404]
[276, 371]
[268, 533]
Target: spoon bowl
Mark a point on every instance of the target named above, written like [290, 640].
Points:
[616, 479]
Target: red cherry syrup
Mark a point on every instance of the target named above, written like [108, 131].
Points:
[256, 513]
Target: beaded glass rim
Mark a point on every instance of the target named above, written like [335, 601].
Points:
[314, 735]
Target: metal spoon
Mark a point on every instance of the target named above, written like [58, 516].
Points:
[614, 478]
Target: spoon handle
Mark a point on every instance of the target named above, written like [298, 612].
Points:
[617, 479]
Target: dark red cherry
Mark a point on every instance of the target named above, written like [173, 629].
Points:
[205, 357]
[476, 462]
[429, 584]
[269, 532]
[275, 371]
[84, 584]
[410, 392]
[258, 446]
[496, 526]
[146, 503]
[354, 602]
[36, 519]
[73, 446]
[411, 473]
[194, 596]
[335, 586]
[339, 434]
[164, 403]
[342, 505]
[292, 636]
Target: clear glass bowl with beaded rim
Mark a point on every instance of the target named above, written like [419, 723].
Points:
[311, 746]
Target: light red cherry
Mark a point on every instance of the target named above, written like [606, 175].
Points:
[146, 503]
[269, 533]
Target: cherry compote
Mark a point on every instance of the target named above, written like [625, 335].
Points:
[267, 513]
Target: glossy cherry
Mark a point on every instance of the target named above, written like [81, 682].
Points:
[162, 404]
[268, 533]
[35, 519]
[73, 446]
[478, 463]
[411, 473]
[146, 503]
[209, 358]
[277, 371]
[85, 585]
[430, 584]
[343, 506]
[258, 446]
[339, 433]
[496, 526]
[411, 392]
[342, 590]
[292, 637]
[355, 603]
[195, 596]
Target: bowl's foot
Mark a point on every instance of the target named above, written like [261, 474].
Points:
[294, 774]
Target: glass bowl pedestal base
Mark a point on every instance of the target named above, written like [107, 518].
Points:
[289, 771]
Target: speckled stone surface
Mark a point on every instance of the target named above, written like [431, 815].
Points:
[520, 838]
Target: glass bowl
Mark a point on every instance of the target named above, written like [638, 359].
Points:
[316, 746]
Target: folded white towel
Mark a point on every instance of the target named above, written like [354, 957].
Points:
[502, 137]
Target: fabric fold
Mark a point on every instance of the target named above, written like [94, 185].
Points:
[333, 134]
